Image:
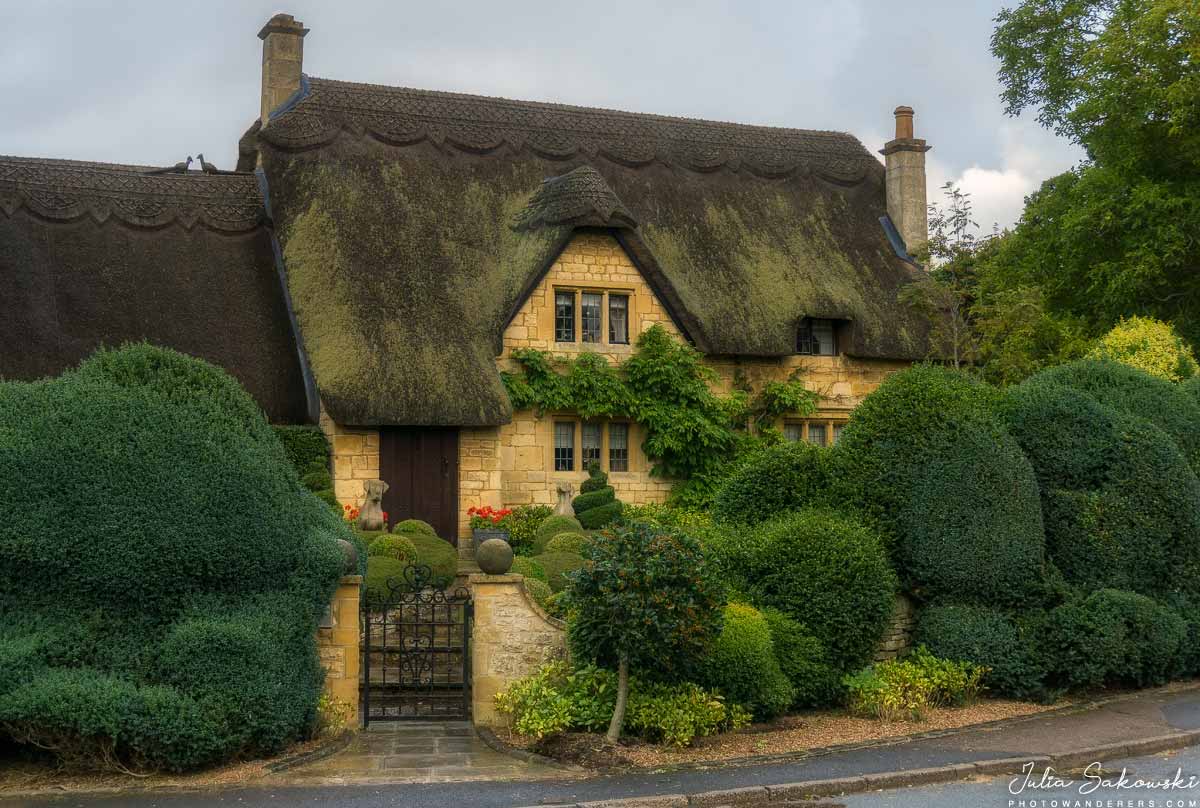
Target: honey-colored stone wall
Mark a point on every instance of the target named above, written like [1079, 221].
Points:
[355, 454]
[338, 645]
[897, 637]
[511, 637]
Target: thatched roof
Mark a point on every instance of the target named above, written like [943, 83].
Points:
[98, 254]
[414, 221]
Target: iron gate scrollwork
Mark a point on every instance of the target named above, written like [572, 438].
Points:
[416, 651]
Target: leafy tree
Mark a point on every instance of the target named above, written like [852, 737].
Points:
[647, 599]
[1116, 236]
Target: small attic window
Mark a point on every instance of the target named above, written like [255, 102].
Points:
[817, 337]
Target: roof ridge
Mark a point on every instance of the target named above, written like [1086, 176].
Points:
[558, 105]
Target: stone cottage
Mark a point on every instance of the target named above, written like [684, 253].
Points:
[379, 253]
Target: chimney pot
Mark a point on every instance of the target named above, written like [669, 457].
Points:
[282, 61]
[904, 180]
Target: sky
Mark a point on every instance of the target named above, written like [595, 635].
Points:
[152, 82]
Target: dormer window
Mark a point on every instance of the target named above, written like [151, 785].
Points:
[817, 337]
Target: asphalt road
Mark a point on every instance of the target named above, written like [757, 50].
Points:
[1086, 792]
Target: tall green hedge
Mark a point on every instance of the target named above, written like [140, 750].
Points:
[742, 665]
[1121, 505]
[986, 637]
[970, 528]
[1134, 392]
[306, 447]
[161, 570]
[894, 428]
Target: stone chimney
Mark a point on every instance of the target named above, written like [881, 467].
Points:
[905, 181]
[282, 62]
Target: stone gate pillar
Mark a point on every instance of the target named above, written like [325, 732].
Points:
[337, 643]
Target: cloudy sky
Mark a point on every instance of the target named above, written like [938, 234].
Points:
[150, 82]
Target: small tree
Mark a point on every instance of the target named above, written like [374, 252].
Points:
[1150, 345]
[648, 600]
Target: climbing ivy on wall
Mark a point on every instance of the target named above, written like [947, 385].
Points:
[692, 434]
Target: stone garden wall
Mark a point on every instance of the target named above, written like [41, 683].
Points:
[338, 643]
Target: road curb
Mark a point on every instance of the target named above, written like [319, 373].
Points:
[809, 789]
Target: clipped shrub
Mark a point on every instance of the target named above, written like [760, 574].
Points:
[530, 568]
[1149, 345]
[601, 516]
[306, 447]
[970, 529]
[804, 661]
[550, 527]
[1136, 393]
[384, 575]
[160, 605]
[648, 596]
[1192, 388]
[539, 591]
[826, 571]
[741, 664]
[597, 505]
[414, 527]
[567, 543]
[893, 429]
[439, 555]
[985, 637]
[1079, 646]
[317, 481]
[777, 480]
[1152, 636]
[400, 548]
[1120, 505]
[558, 566]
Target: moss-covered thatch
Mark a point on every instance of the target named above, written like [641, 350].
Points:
[414, 223]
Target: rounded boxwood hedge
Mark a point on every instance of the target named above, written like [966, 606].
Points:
[1120, 504]
[741, 664]
[551, 527]
[384, 576]
[782, 478]
[439, 555]
[557, 566]
[160, 604]
[970, 528]
[893, 429]
[1134, 392]
[569, 542]
[411, 527]
[827, 571]
[400, 548]
[988, 637]
[804, 661]
[1152, 636]
[530, 568]
[317, 480]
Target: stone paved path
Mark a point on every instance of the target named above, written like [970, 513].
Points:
[419, 752]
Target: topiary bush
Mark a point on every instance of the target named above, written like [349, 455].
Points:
[782, 478]
[530, 568]
[414, 527]
[1137, 393]
[827, 571]
[985, 637]
[400, 548]
[1152, 636]
[317, 481]
[160, 605]
[597, 505]
[439, 555]
[741, 664]
[385, 575]
[893, 429]
[306, 447]
[804, 661]
[970, 529]
[567, 543]
[558, 566]
[1121, 506]
[550, 527]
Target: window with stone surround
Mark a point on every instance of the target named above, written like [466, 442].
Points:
[816, 337]
[604, 316]
[564, 445]
[603, 442]
[820, 432]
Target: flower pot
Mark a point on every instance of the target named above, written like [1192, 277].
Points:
[479, 535]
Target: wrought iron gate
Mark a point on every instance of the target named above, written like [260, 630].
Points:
[416, 651]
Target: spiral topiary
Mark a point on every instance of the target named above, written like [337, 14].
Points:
[597, 505]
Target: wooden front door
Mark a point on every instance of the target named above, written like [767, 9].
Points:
[420, 466]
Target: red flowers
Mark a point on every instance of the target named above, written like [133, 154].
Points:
[487, 516]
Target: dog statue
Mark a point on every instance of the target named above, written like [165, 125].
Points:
[370, 515]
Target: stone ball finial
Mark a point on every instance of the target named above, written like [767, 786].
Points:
[494, 556]
[349, 556]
